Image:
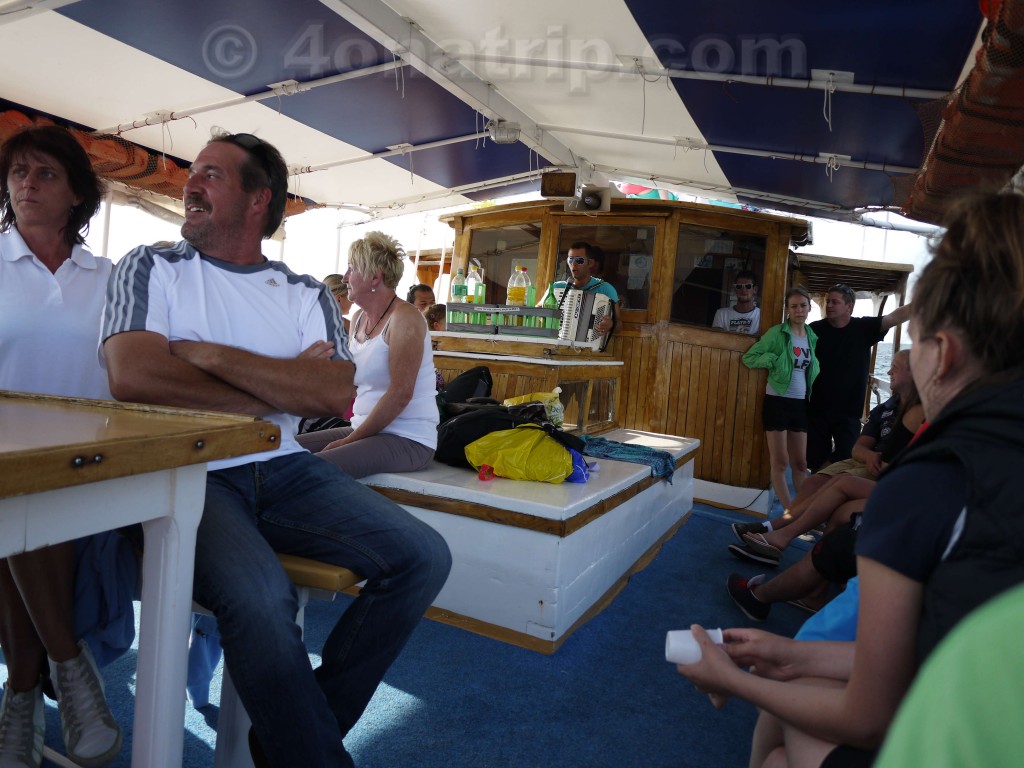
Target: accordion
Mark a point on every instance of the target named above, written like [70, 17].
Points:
[581, 311]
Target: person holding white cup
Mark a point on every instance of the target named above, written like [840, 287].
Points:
[681, 647]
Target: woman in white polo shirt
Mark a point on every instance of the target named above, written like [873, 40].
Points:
[51, 299]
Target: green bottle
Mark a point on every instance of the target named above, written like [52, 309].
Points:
[552, 323]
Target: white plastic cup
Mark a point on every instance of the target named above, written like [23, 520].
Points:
[681, 647]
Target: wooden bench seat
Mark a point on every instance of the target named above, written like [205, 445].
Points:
[317, 575]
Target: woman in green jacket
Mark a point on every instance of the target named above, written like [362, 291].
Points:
[787, 351]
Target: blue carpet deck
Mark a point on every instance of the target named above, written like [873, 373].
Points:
[606, 698]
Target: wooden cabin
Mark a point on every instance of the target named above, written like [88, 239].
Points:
[667, 370]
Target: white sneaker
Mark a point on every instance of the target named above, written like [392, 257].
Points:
[22, 728]
[91, 735]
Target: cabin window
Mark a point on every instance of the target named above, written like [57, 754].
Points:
[602, 403]
[628, 257]
[496, 251]
[708, 261]
[574, 398]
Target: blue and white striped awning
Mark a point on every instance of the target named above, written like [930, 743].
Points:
[808, 107]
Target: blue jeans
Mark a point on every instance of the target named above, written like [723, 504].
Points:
[304, 506]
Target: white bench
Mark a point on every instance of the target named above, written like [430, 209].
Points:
[534, 561]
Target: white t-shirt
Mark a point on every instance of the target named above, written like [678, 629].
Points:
[801, 364]
[264, 308]
[727, 318]
[50, 323]
[418, 420]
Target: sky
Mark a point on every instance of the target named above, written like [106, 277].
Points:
[129, 227]
[852, 241]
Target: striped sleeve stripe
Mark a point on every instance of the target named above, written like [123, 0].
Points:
[335, 328]
[127, 301]
[127, 293]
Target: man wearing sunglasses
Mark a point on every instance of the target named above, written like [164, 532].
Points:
[210, 323]
[581, 264]
[844, 353]
[744, 316]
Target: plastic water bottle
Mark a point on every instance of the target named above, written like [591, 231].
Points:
[517, 288]
[459, 288]
[458, 296]
[475, 294]
[516, 295]
[473, 282]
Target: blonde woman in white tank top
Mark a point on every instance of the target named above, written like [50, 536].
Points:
[394, 420]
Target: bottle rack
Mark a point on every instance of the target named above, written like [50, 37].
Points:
[503, 319]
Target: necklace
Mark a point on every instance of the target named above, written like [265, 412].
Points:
[368, 333]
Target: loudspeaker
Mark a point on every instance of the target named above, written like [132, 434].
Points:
[591, 198]
[558, 184]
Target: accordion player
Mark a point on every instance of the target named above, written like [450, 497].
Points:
[581, 311]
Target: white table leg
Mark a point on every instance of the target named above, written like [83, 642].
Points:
[158, 738]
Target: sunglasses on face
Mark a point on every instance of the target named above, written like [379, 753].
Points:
[743, 286]
[577, 259]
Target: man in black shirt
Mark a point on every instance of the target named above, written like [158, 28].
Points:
[843, 350]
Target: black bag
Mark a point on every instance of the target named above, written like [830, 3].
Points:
[474, 422]
[473, 404]
[454, 434]
[476, 382]
[324, 422]
[473, 385]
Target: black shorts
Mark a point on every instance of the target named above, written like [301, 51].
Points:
[845, 756]
[784, 414]
[834, 557]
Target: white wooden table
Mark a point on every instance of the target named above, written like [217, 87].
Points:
[72, 467]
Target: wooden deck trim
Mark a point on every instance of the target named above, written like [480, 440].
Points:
[487, 513]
